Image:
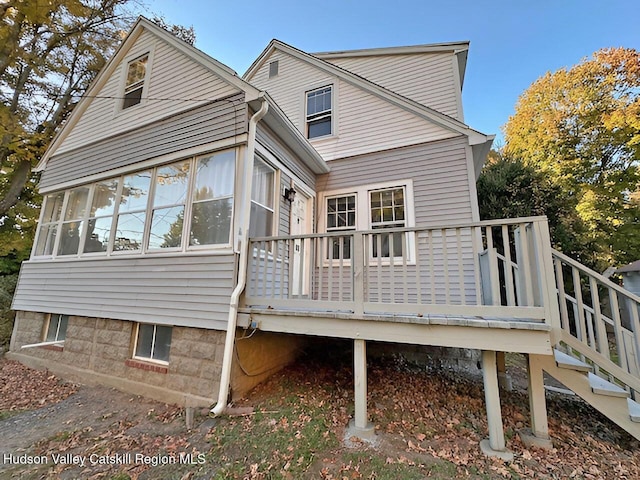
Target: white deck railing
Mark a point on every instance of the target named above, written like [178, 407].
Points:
[490, 269]
[600, 322]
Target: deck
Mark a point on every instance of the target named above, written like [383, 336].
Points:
[476, 285]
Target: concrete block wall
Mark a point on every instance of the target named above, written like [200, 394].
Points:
[99, 350]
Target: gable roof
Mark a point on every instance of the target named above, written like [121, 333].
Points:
[224, 72]
[441, 119]
[632, 267]
[460, 49]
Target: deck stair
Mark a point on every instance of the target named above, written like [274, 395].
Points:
[596, 354]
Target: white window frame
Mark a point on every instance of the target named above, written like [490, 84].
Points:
[153, 341]
[332, 113]
[222, 248]
[48, 327]
[276, 199]
[144, 82]
[363, 214]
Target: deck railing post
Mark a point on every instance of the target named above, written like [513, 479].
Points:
[357, 269]
[547, 278]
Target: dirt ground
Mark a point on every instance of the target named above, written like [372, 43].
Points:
[428, 425]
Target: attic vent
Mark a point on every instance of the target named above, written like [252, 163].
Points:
[273, 69]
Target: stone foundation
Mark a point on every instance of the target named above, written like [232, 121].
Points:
[429, 356]
[98, 350]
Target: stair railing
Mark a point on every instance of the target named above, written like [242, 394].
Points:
[600, 322]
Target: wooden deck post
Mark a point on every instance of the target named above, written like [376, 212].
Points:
[360, 382]
[496, 444]
[539, 435]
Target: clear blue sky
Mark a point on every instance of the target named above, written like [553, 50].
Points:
[513, 42]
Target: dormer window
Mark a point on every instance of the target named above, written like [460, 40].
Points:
[319, 112]
[136, 73]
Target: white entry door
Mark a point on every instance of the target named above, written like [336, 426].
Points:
[300, 225]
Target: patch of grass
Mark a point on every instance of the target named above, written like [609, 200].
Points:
[375, 465]
[121, 476]
[281, 441]
[4, 414]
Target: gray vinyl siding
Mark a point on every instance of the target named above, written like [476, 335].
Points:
[363, 122]
[439, 173]
[284, 219]
[176, 83]
[427, 78]
[202, 125]
[189, 290]
[272, 143]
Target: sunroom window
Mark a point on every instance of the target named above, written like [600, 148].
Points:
[167, 222]
[213, 199]
[262, 200]
[73, 221]
[49, 225]
[101, 216]
[132, 212]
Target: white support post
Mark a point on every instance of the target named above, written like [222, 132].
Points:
[496, 444]
[360, 383]
[539, 436]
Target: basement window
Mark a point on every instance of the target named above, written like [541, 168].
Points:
[56, 328]
[153, 343]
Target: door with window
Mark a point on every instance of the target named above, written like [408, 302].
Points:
[301, 256]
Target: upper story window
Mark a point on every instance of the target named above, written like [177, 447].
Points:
[319, 112]
[134, 84]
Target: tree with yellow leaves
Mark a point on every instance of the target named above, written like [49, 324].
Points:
[581, 126]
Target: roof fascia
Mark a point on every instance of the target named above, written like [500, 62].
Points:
[368, 52]
[258, 62]
[416, 108]
[300, 144]
[142, 23]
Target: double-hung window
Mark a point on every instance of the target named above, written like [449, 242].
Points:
[319, 112]
[134, 84]
[262, 200]
[376, 207]
[341, 217]
[212, 208]
[170, 194]
[387, 209]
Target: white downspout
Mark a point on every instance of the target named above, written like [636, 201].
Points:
[225, 376]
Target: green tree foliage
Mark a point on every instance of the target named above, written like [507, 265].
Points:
[509, 189]
[581, 127]
[7, 287]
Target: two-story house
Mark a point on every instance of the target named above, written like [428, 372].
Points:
[198, 227]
